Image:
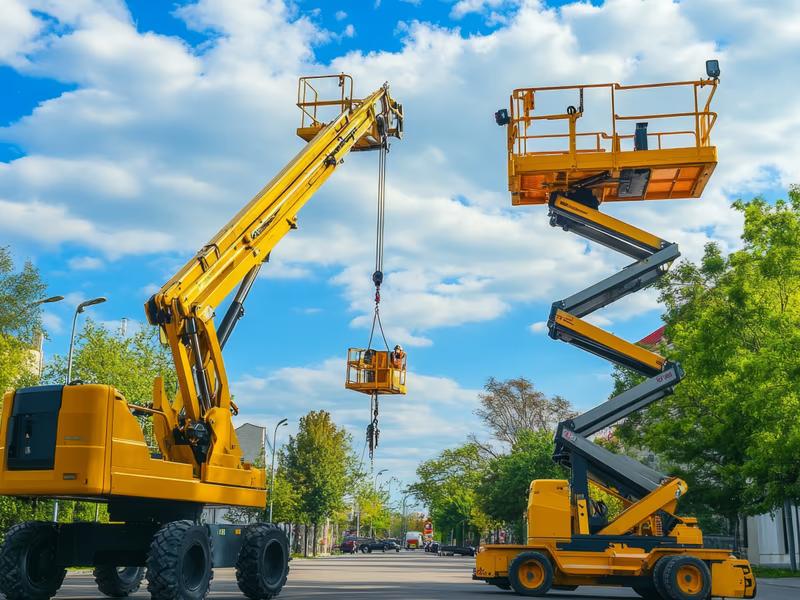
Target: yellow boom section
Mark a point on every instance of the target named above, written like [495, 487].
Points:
[185, 306]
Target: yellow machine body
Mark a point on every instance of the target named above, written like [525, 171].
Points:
[574, 171]
[100, 448]
[552, 519]
[101, 453]
[680, 155]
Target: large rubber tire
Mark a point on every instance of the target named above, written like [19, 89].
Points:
[658, 576]
[179, 564]
[263, 563]
[530, 574]
[687, 578]
[27, 562]
[118, 582]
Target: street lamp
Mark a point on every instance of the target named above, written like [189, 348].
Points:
[280, 423]
[41, 333]
[78, 310]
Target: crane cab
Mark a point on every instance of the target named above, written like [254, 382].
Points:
[610, 155]
[371, 371]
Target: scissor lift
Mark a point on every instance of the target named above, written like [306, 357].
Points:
[571, 539]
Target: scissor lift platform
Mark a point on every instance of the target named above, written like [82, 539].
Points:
[620, 164]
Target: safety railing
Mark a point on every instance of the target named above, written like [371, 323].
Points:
[375, 371]
[522, 120]
[310, 104]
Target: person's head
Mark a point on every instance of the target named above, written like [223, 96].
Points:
[398, 348]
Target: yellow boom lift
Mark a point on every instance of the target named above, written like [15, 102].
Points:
[571, 541]
[85, 442]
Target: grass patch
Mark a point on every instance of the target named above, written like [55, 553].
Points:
[774, 572]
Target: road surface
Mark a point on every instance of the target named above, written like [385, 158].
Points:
[392, 576]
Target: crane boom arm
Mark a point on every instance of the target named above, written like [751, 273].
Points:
[185, 306]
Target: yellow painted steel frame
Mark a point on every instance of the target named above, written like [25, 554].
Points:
[730, 577]
[608, 223]
[101, 453]
[675, 172]
[586, 331]
[100, 450]
[552, 518]
[371, 371]
[555, 515]
[189, 299]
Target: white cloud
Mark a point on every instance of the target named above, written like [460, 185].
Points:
[340, 15]
[52, 322]
[18, 28]
[85, 263]
[538, 327]
[159, 140]
[464, 7]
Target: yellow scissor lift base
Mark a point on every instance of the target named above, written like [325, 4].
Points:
[679, 158]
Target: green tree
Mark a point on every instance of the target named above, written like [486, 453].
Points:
[20, 320]
[373, 504]
[503, 492]
[128, 362]
[732, 429]
[317, 462]
[448, 484]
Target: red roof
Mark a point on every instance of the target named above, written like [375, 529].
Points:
[654, 338]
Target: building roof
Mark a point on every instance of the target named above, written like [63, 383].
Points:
[653, 339]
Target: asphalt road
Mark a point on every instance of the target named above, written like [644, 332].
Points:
[393, 576]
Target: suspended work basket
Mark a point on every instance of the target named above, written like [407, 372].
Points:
[371, 371]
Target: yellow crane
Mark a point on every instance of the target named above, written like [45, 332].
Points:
[571, 538]
[85, 441]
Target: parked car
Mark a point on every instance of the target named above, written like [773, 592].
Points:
[453, 550]
[349, 546]
[368, 546]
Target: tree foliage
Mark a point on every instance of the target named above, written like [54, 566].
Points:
[20, 319]
[128, 362]
[503, 491]
[732, 429]
[317, 462]
[448, 484]
[511, 407]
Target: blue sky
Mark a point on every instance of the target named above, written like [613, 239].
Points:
[129, 133]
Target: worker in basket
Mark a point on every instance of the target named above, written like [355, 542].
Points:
[398, 357]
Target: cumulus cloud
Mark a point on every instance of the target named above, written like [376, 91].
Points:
[85, 263]
[159, 139]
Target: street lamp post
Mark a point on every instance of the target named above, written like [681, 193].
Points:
[49, 300]
[78, 310]
[375, 487]
[280, 423]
